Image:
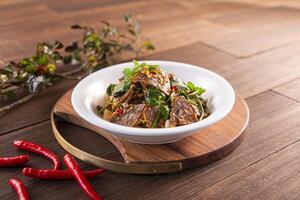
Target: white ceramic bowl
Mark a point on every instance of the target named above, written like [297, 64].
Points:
[90, 92]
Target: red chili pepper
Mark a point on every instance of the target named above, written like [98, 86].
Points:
[174, 88]
[35, 148]
[14, 161]
[57, 174]
[79, 176]
[119, 111]
[20, 188]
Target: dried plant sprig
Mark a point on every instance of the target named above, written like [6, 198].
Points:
[97, 49]
[31, 74]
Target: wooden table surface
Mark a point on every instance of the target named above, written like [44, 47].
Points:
[252, 43]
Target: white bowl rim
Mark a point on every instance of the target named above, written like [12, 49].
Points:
[121, 130]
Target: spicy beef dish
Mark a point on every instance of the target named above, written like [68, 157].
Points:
[148, 97]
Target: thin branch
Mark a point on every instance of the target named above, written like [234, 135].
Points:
[66, 76]
[9, 89]
[16, 103]
[74, 71]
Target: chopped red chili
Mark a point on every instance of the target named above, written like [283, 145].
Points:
[119, 111]
[38, 149]
[174, 88]
[20, 188]
[80, 177]
[57, 174]
[14, 161]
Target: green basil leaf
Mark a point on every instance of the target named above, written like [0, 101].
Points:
[130, 72]
[154, 97]
[164, 112]
[191, 86]
[194, 88]
[121, 88]
[136, 64]
[127, 73]
[110, 89]
[200, 90]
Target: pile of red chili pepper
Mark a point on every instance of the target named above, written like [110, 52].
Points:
[73, 172]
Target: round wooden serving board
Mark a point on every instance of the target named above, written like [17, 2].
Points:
[202, 147]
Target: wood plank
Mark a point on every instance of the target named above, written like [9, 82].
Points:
[21, 26]
[256, 74]
[262, 139]
[268, 3]
[62, 7]
[162, 33]
[26, 13]
[275, 27]
[181, 33]
[197, 54]
[12, 51]
[226, 36]
[141, 10]
[211, 8]
[169, 20]
[34, 111]
[241, 37]
[276, 177]
[166, 23]
[284, 16]
[290, 89]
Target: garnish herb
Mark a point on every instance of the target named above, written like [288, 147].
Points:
[158, 99]
[194, 89]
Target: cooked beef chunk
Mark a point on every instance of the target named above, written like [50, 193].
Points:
[157, 79]
[149, 115]
[182, 112]
[130, 115]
